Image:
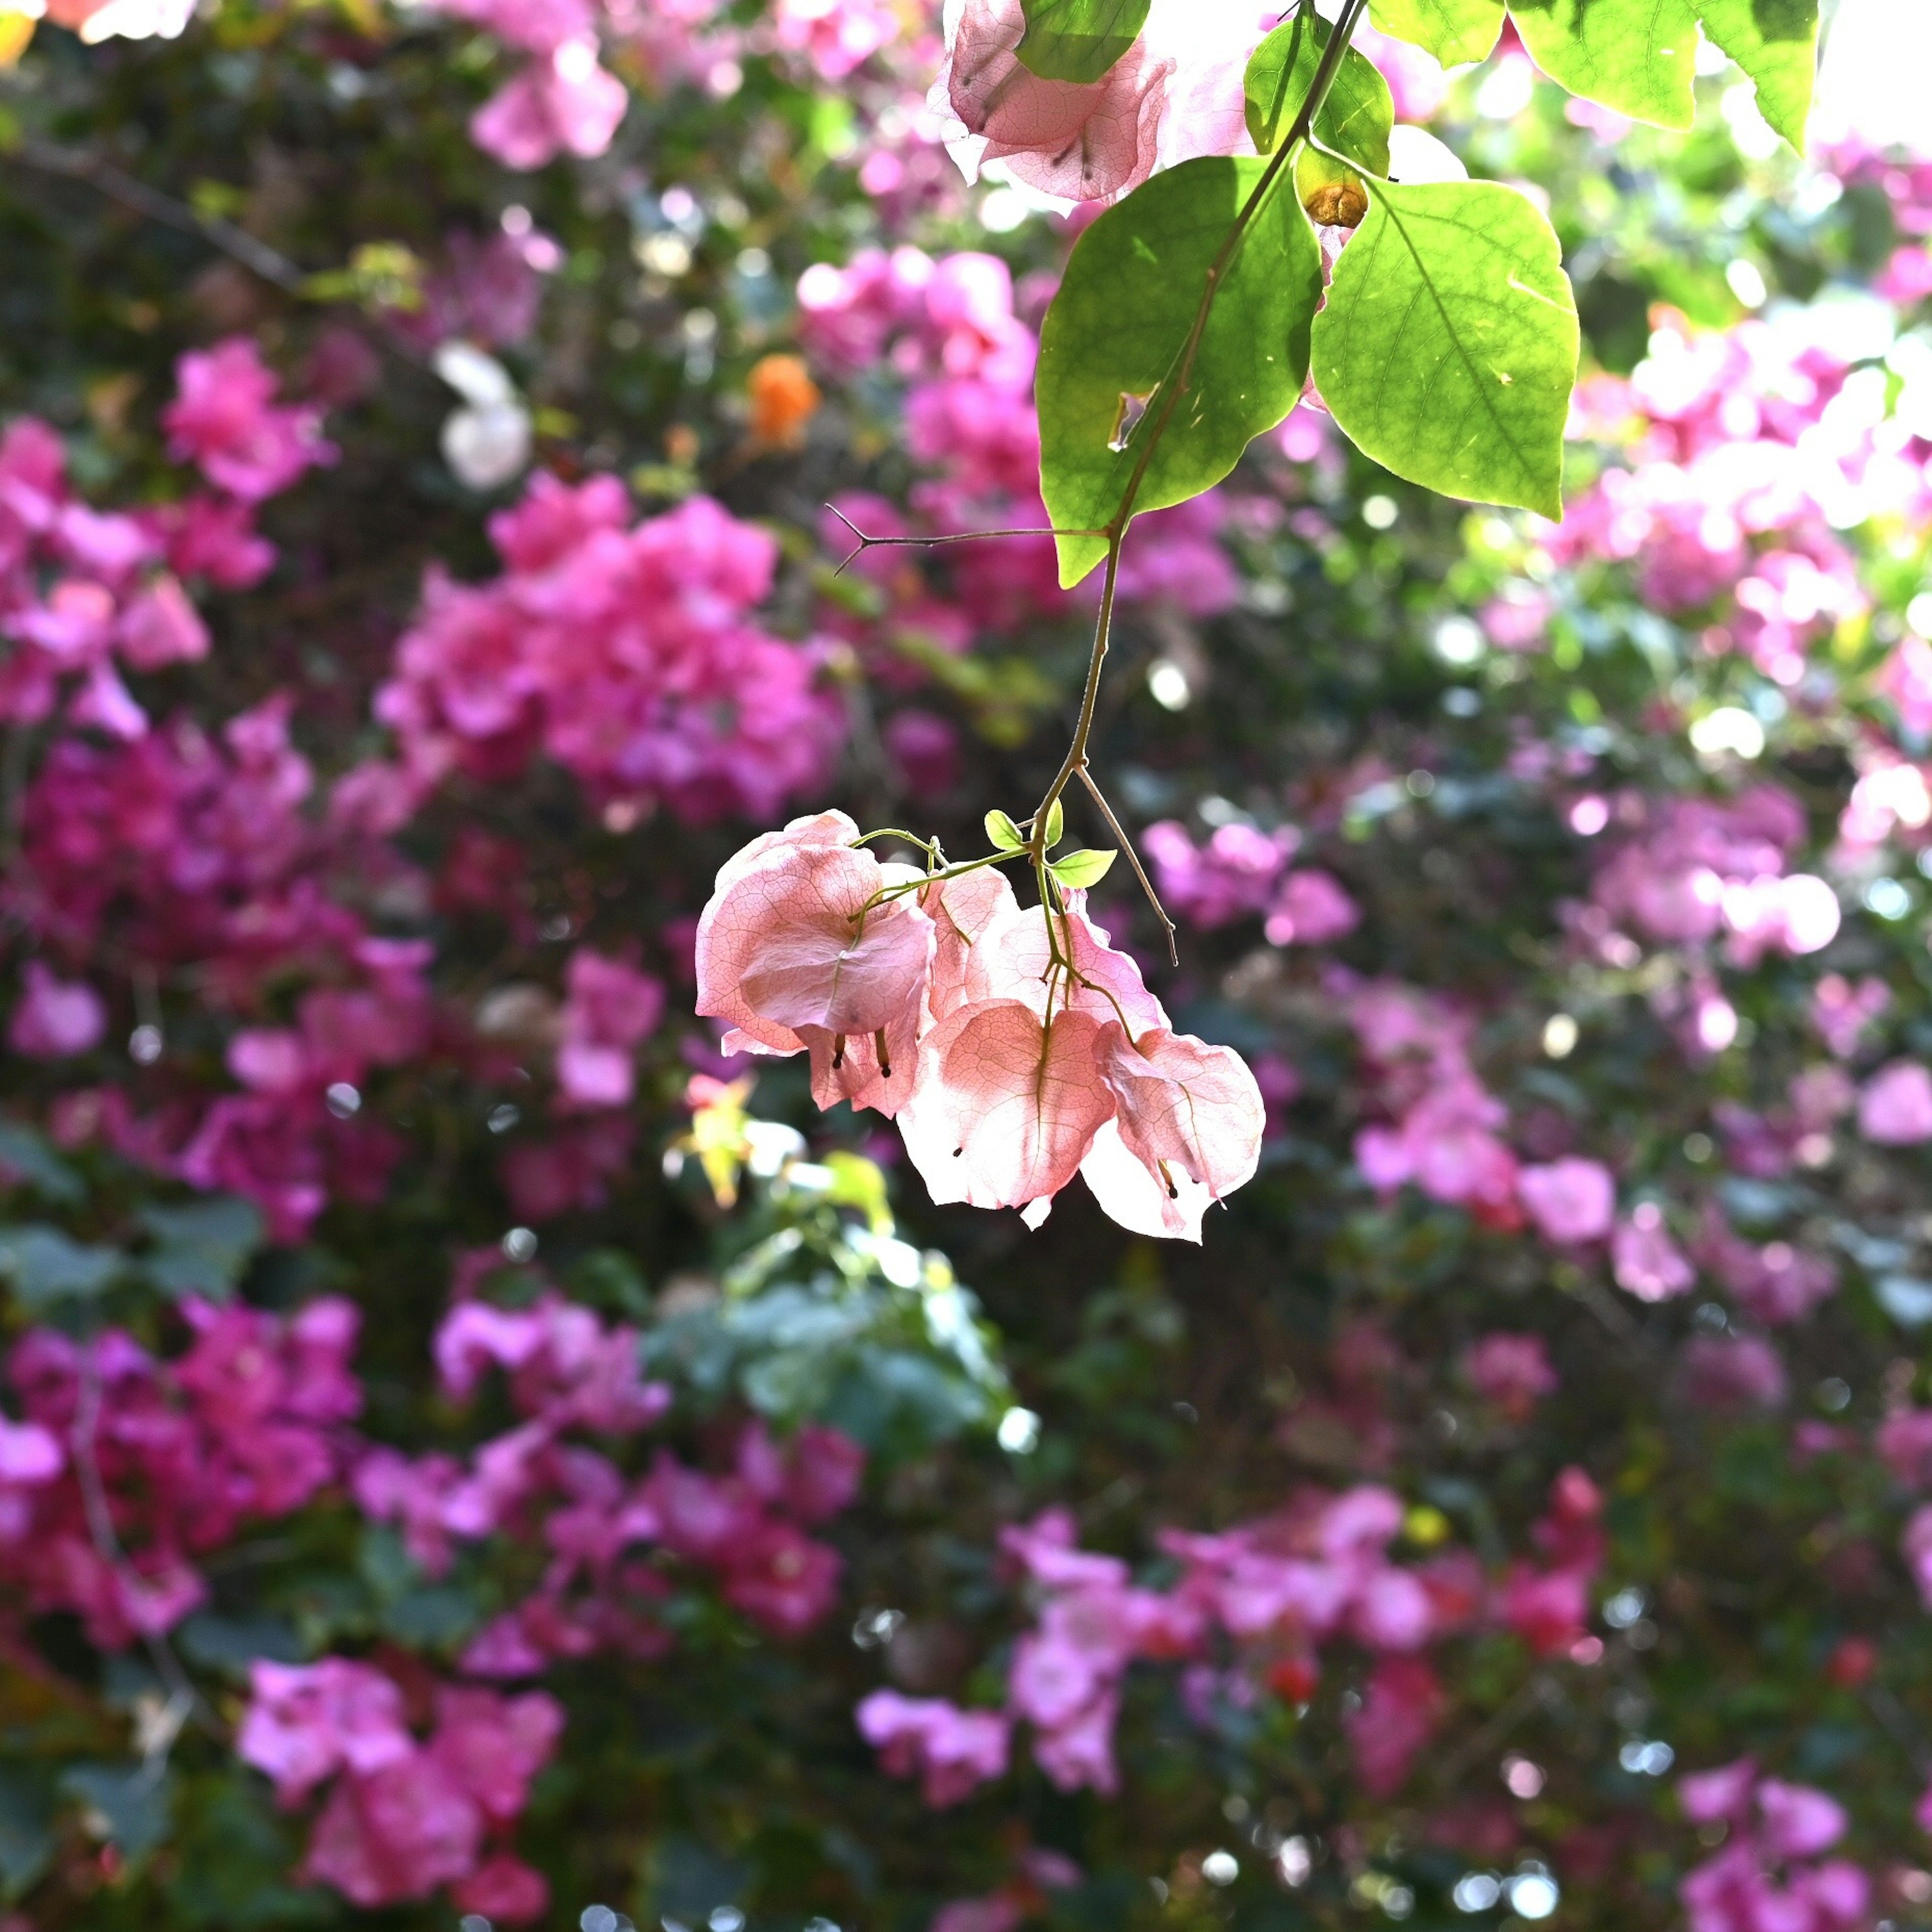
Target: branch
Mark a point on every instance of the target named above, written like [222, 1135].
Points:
[255, 255]
[79, 164]
[866, 543]
[1158, 417]
[1094, 792]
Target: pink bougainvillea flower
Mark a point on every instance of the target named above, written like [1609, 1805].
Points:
[1510, 1371]
[783, 954]
[963, 910]
[610, 1008]
[1012, 959]
[1570, 1200]
[950, 1749]
[1188, 1120]
[224, 417]
[562, 102]
[1006, 1106]
[55, 1017]
[1646, 1261]
[1798, 1822]
[1895, 1109]
[503, 1890]
[1084, 142]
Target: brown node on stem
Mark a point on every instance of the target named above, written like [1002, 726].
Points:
[1337, 205]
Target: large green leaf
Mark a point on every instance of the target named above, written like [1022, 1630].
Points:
[1354, 120]
[1448, 349]
[1637, 56]
[1078, 40]
[1115, 334]
[1453, 30]
[1776, 42]
[202, 1246]
[45, 1265]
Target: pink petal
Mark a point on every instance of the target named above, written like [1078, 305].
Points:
[1087, 143]
[1189, 1108]
[1006, 1107]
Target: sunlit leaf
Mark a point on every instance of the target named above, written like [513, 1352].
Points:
[1079, 870]
[1637, 56]
[1448, 349]
[1776, 42]
[1003, 832]
[1117, 330]
[1078, 40]
[1355, 118]
[1453, 30]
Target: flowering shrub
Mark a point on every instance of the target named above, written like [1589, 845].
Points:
[492, 1427]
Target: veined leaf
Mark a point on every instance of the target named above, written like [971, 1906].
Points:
[1448, 349]
[1776, 42]
[1354, 120]
[1637, 56]
[1056, 823]
[1078, 40]
[1079, 870]
[1453, 30]
[1116, 334]
[1003, 833]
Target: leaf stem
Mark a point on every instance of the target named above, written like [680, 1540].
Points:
[1154, 424]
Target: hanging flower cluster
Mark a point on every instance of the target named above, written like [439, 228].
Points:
[1016, 1048]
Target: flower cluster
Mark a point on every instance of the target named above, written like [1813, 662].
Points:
[189, 851]
[87, 596]
[126, 1469]
[1016, 1048]
[1246, 1613]
[605, 1581]
[628, 653]
[404, 1814]
[1240, 871]
[1770, 1873]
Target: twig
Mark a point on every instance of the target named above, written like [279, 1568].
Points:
[1094, 792]
[79, 164]
[255, 255]
[866, 543]
[158, 1734]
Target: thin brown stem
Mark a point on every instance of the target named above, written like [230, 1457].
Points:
[1133, 858]
[1154, 424]
[83, 164]
[865, 543]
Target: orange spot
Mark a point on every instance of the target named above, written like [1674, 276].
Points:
[783, 399]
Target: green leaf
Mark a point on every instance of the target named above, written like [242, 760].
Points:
[1448, 349]
[1078, 40]
[1637, 56]
[201, 1247]
[26, 1831]
[130, 1803]
[1056, 823]
[1453, 30]
[1079, 870]
[1003, 833]
[1116, 333]
[1353, 121]
[1776, 42]
[46, 1265]
[25, 1157]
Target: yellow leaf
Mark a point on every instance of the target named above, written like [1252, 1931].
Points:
[16, 31]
